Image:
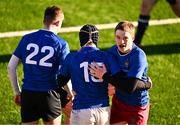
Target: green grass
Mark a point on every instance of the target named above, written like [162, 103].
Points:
[164, 70]
[28, 14]
[161, 43]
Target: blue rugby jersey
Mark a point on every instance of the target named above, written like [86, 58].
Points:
[133, 64]
[91, 92]
[41, 54]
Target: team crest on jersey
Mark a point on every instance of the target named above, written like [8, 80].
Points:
[126, 63]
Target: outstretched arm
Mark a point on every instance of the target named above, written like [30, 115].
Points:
[126, 84]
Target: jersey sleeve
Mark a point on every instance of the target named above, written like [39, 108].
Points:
[18, 51]
[138, 65]
[65, 69]
[64, 52]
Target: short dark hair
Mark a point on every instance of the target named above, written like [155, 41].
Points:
[88, 33]
[126, 26]
[51, 13]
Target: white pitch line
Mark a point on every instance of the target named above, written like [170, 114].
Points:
[99, 26]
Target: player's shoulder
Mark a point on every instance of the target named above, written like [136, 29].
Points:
[27, 37]
[138, 54]
[62, 43]
[112, 50]
[31, 34]
[99, 52]
[51, 36]
[138, 51]
[71, 55]
[99, 55]
[56, 39]
[61, 39]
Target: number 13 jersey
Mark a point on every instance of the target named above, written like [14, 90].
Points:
[90, 91]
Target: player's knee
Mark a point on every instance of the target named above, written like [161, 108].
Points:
[144, 9]
[147, 6]
[177, 12]
[30, 123]
[55, 121]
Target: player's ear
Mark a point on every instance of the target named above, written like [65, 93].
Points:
[133, 37]
[56, 23]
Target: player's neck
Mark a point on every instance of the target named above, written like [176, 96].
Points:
[51, 28]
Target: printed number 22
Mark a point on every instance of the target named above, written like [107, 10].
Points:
[84, 65]
[42, 61]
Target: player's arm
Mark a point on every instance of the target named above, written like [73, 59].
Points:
[62, 80]
[64, 52]
[63, 77]
[66, 102]
[127, 84]
[63, 96]
[68, 89]
[12, 66]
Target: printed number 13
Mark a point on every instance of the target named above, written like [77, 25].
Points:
[84, 65]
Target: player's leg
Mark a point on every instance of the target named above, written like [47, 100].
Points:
[121, 112]
[143, 21]
[56, 121]
[50, 107]
[82, 117]
[115, 115]
[175, 5]
[66, 105]
[139, 114]
[31, 123]
[29, 108]
[147, 6]
[67, 112]
[102, 115]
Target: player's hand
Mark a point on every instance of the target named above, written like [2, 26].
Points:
[17, 100]
[74, 93]
[149, 83]
[69, 96]
[97, 71]
[111, 90]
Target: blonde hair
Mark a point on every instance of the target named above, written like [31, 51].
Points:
[126, 26]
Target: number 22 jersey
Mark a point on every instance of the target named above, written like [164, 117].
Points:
[41, 53]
